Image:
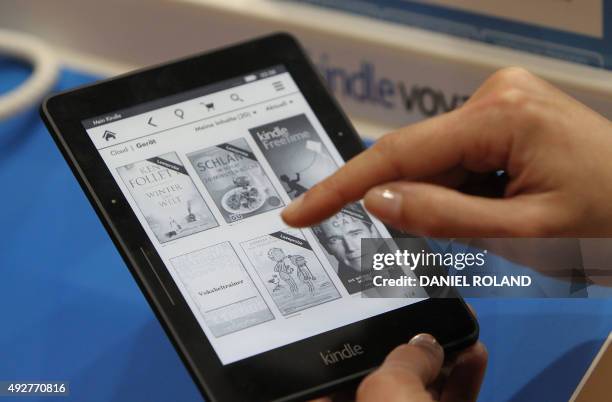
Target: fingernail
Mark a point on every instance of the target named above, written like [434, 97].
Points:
[293, 207]
[427, 342]
[384, 203]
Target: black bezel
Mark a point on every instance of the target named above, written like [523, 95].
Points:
[290, 372]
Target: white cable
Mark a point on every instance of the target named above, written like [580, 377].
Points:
[44, 71]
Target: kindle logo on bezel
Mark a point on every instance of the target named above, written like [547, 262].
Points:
[348, 351]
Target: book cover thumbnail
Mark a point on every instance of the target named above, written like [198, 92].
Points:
[222, 289]
[235, 180]
[295, 152]
[167, 197]
[340, 237]
[290, 270]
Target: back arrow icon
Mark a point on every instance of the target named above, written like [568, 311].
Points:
[151, 123]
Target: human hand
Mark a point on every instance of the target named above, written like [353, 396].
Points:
[555, 150]
[415, 372]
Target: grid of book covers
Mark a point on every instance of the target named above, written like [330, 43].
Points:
[276, 274]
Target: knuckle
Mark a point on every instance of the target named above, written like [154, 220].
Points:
[426, 224]
[387, 148]
[511, 75]
[511, 101]
[372, 385]
[383, 381]
[537, 230]
[525, 229]
[330, 188]
[386, 383]
[514, 98]
[535, 223]
[562, 218]
[387, 143]
[517, 106]
[431, 227]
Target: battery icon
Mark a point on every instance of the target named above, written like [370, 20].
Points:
[250, 78]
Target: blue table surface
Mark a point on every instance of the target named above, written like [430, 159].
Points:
[71, 311]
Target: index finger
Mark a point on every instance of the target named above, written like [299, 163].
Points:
[415, 152]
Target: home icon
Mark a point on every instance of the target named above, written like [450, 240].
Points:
[109, 135]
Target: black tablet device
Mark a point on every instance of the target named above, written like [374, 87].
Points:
[188, 165]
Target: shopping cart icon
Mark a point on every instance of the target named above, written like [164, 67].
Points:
[209, 106]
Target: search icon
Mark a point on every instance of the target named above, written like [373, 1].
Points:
[236, 98]
[179, 113]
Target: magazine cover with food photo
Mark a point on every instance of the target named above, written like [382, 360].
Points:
[235, 180]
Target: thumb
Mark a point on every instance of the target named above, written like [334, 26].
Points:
[405, 373]
[431, 210]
